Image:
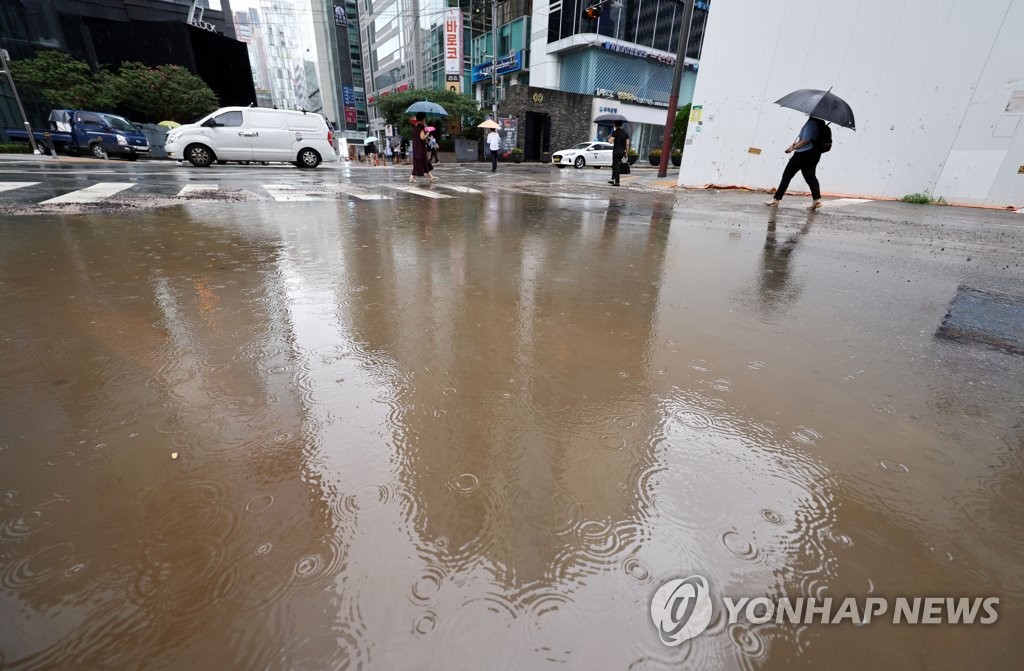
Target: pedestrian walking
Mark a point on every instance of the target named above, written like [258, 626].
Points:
[494, 144]
[806, 154]
[433, 147]
[620, 150]
[421, 164]
[372, 156]
[403, 148]
[389, 153]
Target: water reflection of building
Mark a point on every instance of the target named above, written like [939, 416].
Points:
[527, 356]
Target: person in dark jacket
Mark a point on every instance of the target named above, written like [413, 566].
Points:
[805, 161]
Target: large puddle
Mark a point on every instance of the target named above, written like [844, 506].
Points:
[481, 433]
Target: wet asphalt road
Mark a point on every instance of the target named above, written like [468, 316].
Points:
[308, 420]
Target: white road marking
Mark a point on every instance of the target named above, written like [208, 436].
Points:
[197, 189]
[418, 192]
[840, 202]
[90, 194]
[460, 189]
[8, 186]
[360, 194]
[289, 193]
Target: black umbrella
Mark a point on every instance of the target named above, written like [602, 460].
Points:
[823, 105]
[609, 117]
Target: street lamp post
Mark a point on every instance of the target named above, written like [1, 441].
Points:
[5, 62]
[677, 78]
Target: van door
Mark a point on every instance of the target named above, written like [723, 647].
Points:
[308, 130]
[272, 140]
[231, 139]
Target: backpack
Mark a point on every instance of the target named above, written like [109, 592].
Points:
[823, 139]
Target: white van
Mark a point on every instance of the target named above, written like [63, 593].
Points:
[254, 134]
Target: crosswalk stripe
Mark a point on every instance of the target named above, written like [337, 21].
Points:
[8, 186]
[418, 192]
[460, 189]
[360, 194]
[197, 189]
[90, 194]
[289, 193]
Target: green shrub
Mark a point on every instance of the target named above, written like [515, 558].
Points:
[917, 198]
[15, 148]
[655, 153]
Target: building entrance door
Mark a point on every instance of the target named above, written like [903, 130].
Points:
[538, 135]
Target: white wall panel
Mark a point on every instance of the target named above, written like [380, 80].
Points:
[929, 82]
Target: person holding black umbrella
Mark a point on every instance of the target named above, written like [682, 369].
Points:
[815, 137]
[806, 155]
[620, 139]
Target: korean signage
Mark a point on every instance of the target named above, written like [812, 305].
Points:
[627, 97]
[453, 41]
[630, 50]
[511, 63]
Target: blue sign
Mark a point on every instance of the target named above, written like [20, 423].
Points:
[348, 95]
[511, 63]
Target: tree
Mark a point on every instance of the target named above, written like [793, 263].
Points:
[458, 105]
[679, 128]
[64, 82]
[166, 92]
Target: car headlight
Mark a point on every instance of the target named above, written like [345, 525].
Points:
[121, 139]
[172, 138]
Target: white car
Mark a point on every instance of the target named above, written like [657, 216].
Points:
[595, 154]
[254, 134]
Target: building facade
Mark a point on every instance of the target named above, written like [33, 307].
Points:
[199, 37]
[936, 86]
[336, 28]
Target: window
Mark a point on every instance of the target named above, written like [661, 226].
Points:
[89, 118]
[229, 119]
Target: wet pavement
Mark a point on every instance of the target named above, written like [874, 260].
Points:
[481, 430]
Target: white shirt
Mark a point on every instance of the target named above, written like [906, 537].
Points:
[494, 140]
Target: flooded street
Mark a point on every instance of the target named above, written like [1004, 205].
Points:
[479, 433]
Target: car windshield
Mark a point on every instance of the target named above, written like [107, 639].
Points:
[582, 145]
[117, 123]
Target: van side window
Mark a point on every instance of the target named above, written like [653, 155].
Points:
[265, 120]
[90, 119]
[229, 119]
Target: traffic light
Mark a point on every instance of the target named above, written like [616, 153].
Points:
[592, 13]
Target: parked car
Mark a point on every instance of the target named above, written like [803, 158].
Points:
[254, 134]
[82, 132]
[595, 154]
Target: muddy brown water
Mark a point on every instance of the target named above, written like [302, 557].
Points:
[481, 433]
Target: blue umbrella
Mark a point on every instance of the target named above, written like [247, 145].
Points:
[427, 107]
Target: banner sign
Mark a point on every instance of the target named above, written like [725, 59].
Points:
[453, 41]
[511, 63]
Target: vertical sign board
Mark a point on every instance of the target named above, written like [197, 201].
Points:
[453, 48]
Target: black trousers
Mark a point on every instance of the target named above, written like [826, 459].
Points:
[494, 160]
[804, 162]
[616, 165]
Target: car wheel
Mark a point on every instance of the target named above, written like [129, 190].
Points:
[308, 158]
[579, 162]
[199, 155]
[96, 149]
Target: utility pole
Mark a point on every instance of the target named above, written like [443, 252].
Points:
[494, 60]
[5, 63]
[677, 78]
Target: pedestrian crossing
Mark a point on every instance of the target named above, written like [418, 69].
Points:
[278, 192]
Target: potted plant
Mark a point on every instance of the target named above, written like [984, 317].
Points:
[677, 157]
[632, 156]
[655, 156]
[517, 155]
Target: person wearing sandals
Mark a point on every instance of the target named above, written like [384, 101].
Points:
[421, 164]
[805, 161]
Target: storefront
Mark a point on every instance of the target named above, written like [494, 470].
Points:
[646, 121]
